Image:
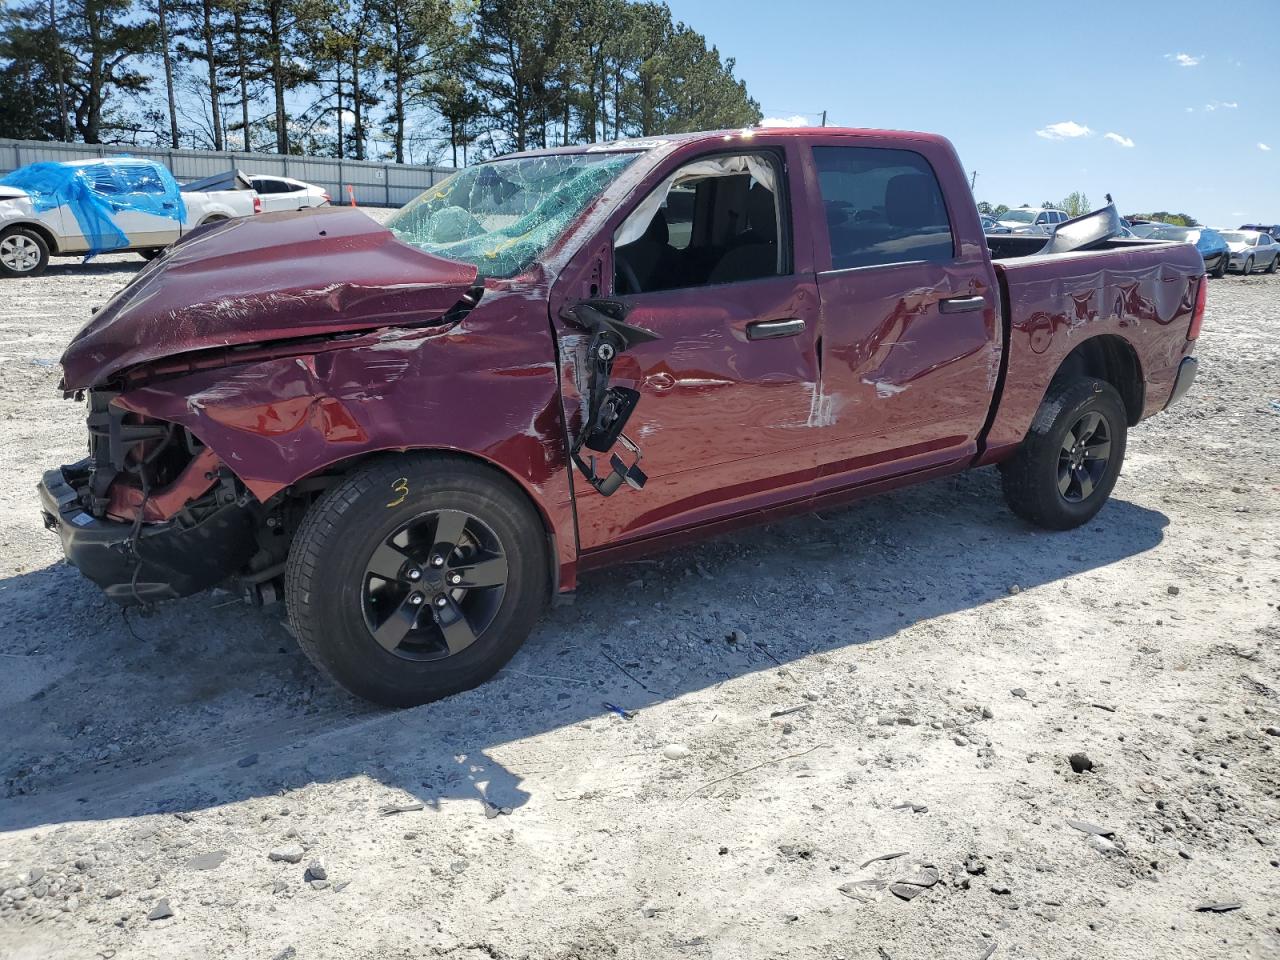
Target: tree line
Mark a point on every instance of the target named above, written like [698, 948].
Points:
[404, 80]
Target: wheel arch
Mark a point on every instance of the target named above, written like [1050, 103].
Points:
[35, 227]
[342, 468]
[1112, 358]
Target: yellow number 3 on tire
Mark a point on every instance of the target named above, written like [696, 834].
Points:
[401, 486]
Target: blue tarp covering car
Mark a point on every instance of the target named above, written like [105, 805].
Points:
[95, 192]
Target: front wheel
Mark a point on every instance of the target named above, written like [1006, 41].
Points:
[23, 253]
[150, 253]
[1070, 460]
[416, 578]
[1248, 267]
[1220, 270]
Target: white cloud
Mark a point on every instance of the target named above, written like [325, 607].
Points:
[793, 121]
[1184, 59]
[1224, 104]
[1123, 141]
[1191, 109]
[1065, 130]
[1264, 147]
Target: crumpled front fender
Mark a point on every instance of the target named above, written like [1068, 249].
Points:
[486, 386]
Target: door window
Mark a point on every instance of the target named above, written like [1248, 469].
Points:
[882, 207]
[715, 220]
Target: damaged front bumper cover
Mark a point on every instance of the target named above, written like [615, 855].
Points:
[145, 562]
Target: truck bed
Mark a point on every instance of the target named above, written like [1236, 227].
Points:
[1138, 294]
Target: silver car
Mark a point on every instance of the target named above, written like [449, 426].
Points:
[1251, 251]
[1039, 220]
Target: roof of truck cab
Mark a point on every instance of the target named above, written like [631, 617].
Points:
[742, 134]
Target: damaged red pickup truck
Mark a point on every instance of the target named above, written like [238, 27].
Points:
[415, 432]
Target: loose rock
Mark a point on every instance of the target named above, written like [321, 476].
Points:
[287, 854]
[160, 911]
[1080, 763]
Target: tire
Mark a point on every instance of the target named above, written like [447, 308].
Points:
[1220, 270]
[23, 253]
[150, 253]
[1033, 478]
[340, 608]
[1248, 267]
[1274, 261]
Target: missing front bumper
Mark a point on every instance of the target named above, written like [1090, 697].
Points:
[158, 561]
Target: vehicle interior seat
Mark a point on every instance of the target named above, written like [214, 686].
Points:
[652, 257]
[754, 252]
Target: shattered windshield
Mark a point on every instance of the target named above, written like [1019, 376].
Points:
[500, 216]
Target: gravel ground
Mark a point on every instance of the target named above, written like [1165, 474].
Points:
[906, 677]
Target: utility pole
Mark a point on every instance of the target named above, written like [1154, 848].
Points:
[824, 118]
[973, 179]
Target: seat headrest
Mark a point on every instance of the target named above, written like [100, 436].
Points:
[909, 201]
[762, 215]
[657, 231]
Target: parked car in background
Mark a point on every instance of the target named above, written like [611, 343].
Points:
[96, 206]
[1039, 220]
[1272, 230]
[285, 193]
[415, 432]
[1211, 244]
[991, 225]
[1251, 250]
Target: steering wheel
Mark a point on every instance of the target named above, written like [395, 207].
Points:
[627, 272]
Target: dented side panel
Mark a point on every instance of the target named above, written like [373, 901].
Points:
[1145, 296]
[486, 385]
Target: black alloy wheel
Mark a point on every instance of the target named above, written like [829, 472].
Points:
[434, 585]
[1086, 449]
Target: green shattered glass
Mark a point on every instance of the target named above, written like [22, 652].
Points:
[501, 215]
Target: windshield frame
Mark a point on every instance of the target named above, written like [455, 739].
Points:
[621, 160]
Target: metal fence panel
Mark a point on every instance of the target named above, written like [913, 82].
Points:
[372, 183]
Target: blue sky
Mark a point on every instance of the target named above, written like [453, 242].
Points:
[1041, 98]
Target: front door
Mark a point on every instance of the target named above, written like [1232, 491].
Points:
[730, 392]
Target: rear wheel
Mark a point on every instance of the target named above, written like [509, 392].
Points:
[1070, 460]
[1220, 270]
[150, 253]
[1274, 261]
[416, 578]
[23, 253]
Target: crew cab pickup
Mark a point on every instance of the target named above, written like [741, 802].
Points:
[94, 206]
[419, 433]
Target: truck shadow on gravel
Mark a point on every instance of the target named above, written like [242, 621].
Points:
[207, 701]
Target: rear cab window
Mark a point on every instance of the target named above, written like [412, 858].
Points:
[882, 206]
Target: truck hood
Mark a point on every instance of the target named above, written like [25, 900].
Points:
[315, 272]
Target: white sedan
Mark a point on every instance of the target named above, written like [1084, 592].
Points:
[285, 193]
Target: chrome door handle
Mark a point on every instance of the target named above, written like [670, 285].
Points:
[771, 329]
[961, 304]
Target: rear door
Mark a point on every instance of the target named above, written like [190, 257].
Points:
[136, 194]
[910, 342]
